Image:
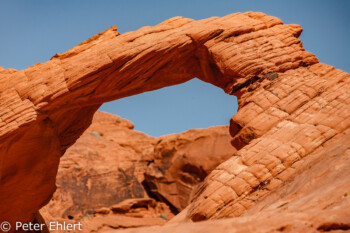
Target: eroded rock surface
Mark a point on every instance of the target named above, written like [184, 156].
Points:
[104, 167]
[182, 161]
[130, 213]
[104, 179]
[287, 121]
[316, 198]
[290, 105]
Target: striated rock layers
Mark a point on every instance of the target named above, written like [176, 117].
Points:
[316, 198]
[182, 161]
[290, 105]
[104, 179]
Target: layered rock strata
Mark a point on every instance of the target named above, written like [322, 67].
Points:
[116, 177]
[290, 105]
[316, 198]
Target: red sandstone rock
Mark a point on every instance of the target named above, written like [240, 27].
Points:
[289, 106]
[104, 167]
[182, 161]
[101, 179]
[129, 213]
[315, 198]
[310, 106]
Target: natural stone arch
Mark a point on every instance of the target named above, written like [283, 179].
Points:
[46, 107]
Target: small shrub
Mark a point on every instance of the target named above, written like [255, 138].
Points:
[96, 134]
[163, 216]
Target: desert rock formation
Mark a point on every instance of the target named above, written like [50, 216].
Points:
[302, 110]
[104, 179]
[182, 161]
[290, 105]
[104, 167]
[316, 198]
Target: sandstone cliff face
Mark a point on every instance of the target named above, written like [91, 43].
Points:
[289, 105]
[288, 120]
[104, 167]
[104, 179]
[182, 161]
[316, 198]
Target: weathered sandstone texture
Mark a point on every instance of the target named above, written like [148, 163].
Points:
[290, 105]
[104, 167]
[105, 180]
[316, 198]
[182, 161]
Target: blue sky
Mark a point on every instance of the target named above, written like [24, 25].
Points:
[34, 30]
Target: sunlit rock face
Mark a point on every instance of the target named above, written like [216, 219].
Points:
[116, 177]
[290, 105]
[315, 198]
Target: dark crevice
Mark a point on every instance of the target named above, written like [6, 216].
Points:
[148, 187]
[247, 83]
[198, 217]
[198, 173]
[333, 226]
[234, 128]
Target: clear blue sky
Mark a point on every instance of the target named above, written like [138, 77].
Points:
[33, 31]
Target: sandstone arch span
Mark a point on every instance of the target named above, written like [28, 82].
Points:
[46, 107]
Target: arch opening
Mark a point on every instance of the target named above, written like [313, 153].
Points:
[181, 159]
[60, 97]
[175, 109]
